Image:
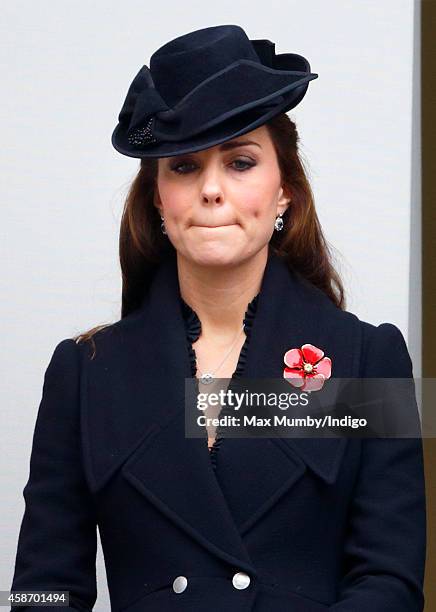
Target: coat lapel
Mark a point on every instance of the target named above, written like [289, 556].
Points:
[133, 419]
[290, 312]
[133, 410]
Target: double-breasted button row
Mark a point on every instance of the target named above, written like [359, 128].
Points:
[240, 580]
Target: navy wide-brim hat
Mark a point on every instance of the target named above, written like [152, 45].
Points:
[206, 87]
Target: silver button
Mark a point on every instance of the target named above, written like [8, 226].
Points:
[180, 583]
[241, 580]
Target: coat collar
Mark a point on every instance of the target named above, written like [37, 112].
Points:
[133, 403]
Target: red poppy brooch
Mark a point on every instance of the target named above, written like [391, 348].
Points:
[307, 368]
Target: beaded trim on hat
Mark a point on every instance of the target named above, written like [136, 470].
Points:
[143, 135]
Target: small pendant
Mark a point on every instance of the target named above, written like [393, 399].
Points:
[206, 378]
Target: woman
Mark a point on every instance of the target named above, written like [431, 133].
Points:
[225, 272]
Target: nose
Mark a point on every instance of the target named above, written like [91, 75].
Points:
[211, 188]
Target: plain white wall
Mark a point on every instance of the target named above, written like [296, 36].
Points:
[66, 69]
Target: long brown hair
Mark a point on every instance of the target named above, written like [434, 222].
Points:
[301, 243]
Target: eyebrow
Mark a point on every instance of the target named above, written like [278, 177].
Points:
[237, 143]
[227, 146]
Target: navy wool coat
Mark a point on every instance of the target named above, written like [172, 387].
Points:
[297, 524]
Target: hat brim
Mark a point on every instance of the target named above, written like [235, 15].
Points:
[276, 91]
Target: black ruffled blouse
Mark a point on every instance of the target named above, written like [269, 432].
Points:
[193, 331]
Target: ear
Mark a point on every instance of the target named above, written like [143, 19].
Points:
[283, 201]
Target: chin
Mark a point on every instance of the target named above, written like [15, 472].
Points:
[215, 257]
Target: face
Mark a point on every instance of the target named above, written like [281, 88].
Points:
[220, 204]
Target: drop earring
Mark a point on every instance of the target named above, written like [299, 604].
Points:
[162, 226]
[278, 225]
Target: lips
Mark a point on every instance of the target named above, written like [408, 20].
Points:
[215, 226]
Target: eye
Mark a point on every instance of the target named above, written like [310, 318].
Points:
[177, 167]
[183, 167]
[247, 164]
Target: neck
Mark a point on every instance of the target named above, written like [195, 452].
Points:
[220, 295]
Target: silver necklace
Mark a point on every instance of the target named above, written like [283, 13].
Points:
[207, 377]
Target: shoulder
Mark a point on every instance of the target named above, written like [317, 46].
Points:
[381, 349]
[105, 339]
[64, 359]
[384, 351]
